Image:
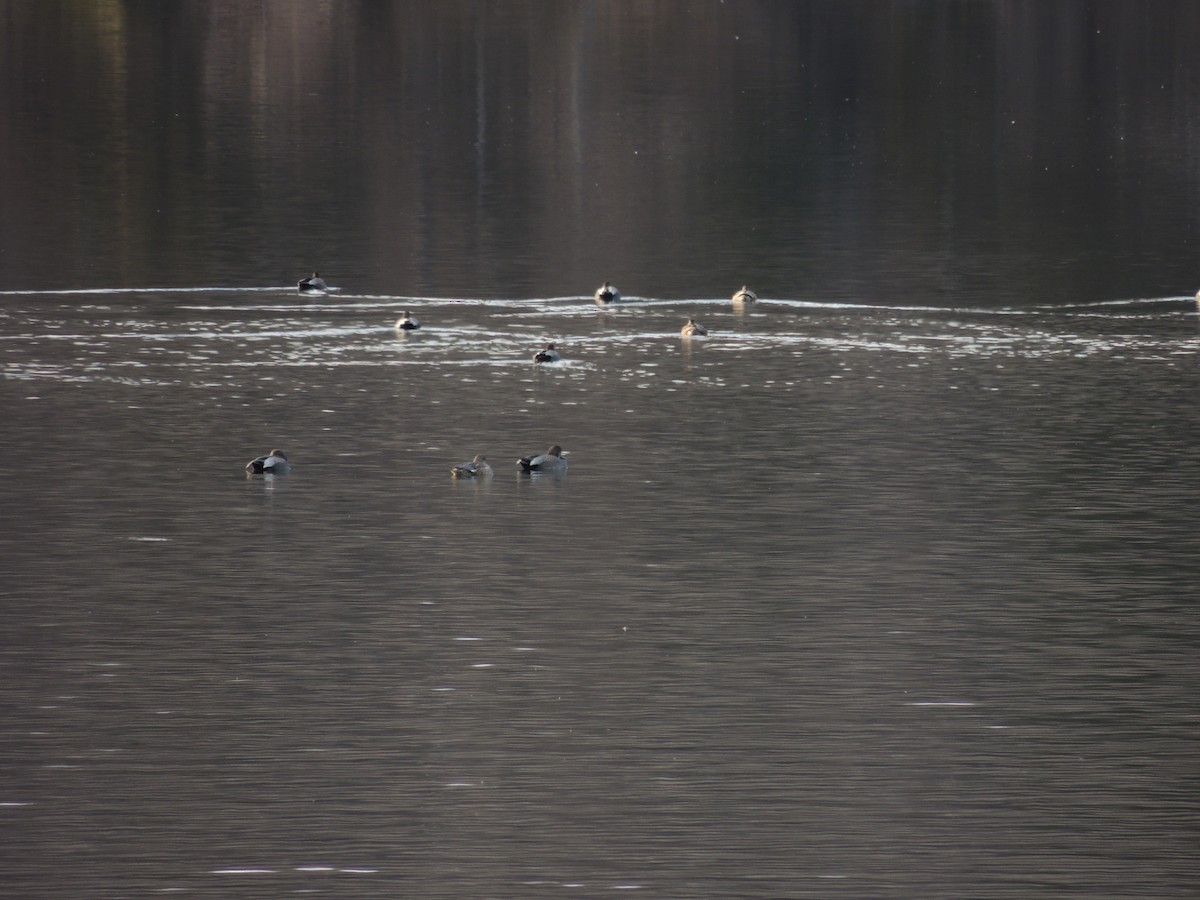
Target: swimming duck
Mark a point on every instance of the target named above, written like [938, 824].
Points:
[548, 355]
[550, 461]
[313, 284]
[274, 463]
[606, 294]
[407, 323]
[745, 295]
[476, 468]
[693, 329]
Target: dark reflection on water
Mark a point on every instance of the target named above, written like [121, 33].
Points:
[963, 152]
[884, 589]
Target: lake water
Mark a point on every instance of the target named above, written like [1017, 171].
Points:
[884, 588]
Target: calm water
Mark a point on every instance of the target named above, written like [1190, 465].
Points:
[884, 589]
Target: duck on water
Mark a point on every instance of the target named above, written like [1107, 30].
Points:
[476, 468]
[313, 284]
[606, 294]
[273, 463]
[547, 354]
[550, 461]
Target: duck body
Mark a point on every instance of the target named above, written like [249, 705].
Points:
[550, 461]
[606, 294]
[745, 295]
[549, 354]
[693, 329]
[407, 323]
[273, 463]
[313, 285]
[476, 468]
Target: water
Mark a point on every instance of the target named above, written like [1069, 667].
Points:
[837, 601]
[885, 588]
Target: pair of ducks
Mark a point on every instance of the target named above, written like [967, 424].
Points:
[315, 284]
[606, 294]
[276, 463]
[550, 354]
[552, 461]
[741, 298]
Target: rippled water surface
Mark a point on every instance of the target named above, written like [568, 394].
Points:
[886, 588]
[840, 600]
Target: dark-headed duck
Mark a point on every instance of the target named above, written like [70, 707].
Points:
[273, 463]
[550, 461]
[548, 354]
[606, 294]
[313, 284]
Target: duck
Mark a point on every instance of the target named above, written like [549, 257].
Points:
[407, 323]
[273, 463]
[693, 329]
[547, 355]
[550, 461]
[313, 284]
[606, 294]
[476, 468]
[745, 295]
